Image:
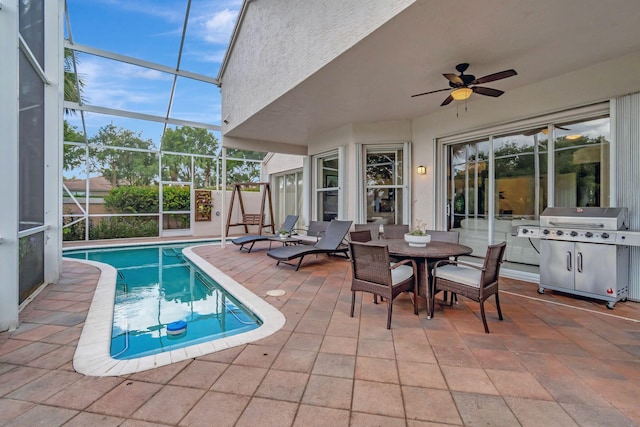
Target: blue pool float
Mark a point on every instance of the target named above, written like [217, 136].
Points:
[176, 328]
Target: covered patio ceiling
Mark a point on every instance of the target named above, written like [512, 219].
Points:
[374, 80]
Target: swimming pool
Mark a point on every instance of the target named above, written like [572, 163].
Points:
[163, 309]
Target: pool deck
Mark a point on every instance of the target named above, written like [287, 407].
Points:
[554, 360]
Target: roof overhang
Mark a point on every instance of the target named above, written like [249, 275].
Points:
[374, 80]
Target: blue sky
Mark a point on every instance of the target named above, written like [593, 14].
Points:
[151, 30]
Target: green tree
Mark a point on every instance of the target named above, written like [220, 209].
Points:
[123, 166]
[72, 89]
[242, 171]
[73, 154]
[188, 140]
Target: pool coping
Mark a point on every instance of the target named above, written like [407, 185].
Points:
[92, 356]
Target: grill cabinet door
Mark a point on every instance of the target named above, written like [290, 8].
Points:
[557, 264]
[595, 268]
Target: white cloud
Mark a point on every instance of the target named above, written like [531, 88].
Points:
[123, 86]
[219, 26]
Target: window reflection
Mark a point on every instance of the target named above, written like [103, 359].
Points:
[582, 163]
[383, 180]
[521, 182]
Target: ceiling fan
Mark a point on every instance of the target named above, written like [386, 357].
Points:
[461, 84]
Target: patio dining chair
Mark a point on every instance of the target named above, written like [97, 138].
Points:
[360, 236]
[449, 237]
[373, 272]
[331, 243]
[287, 225]
[395, 231]
[471, 281]
[374, 229]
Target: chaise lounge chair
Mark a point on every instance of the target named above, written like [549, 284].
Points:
[330, 243]
[289, 223]
[311, 234]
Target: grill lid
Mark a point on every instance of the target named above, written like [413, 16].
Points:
[585, 218]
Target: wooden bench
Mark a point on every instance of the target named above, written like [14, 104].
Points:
[252, 219]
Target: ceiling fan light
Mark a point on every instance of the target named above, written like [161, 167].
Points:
[461, 93]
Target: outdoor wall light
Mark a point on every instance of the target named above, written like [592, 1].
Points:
[422, 170]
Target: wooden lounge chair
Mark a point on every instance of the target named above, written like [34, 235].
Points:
[289, 223]
[331, 243]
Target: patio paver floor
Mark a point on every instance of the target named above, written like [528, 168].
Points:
[554, 360]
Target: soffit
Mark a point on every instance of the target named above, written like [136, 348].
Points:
[374, 80]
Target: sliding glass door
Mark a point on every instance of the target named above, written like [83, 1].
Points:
[289, 196]
[507, 179]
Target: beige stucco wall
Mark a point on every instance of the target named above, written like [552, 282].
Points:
[251, 201]
[274, 51]
[282, 162]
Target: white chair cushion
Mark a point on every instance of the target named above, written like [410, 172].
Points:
[466, 275]
[401, 274]
[307, 240]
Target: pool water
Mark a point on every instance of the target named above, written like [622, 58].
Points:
[156, 288]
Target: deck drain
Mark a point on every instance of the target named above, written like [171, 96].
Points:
[276, 293]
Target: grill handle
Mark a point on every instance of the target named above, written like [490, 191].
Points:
[579, 262]
[576, 224]
[569, 261]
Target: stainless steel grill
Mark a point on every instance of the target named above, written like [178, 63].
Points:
[584, 251]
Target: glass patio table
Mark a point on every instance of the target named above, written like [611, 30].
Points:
[434, 251]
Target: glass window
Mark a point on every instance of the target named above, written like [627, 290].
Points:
[520, 176]
[384, 187]
[581, 159]
[467, 189]
[327, 174]
[289, 197]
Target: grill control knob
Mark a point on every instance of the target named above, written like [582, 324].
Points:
[545, 231]
[588, 234]
[525, 231]
[574, 233]
[605, 235]
[559, 233]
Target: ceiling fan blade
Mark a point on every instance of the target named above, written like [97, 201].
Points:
[493, 77]
[447, 101]
[456, 80]
[487, 91]
[542, 130]
[427, 93]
